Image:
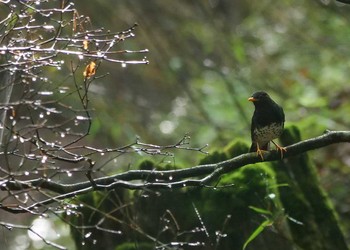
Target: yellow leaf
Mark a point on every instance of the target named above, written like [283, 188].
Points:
[90, 70]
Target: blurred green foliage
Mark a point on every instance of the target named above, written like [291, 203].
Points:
[207, 57]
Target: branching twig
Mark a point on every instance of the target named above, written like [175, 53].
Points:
[11, 226]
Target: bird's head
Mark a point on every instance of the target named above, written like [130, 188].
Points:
[259, 96]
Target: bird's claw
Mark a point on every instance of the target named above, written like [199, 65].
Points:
[279, 148]
[259, 152]
[282, 150]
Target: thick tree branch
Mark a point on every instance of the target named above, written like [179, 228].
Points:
[200, 175]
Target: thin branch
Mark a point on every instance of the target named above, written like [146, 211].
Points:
[11, 226]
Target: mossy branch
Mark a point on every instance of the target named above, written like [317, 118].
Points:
[196, 176]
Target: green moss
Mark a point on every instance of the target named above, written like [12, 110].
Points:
[236, 148]
[146, 165]
[213, 157]
[305, 201]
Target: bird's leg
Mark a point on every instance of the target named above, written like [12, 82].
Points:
[259, 151]
[279, 148]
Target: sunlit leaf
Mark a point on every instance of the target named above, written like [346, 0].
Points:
[90, 70]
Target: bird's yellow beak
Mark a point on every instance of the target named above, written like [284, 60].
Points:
[252, 99]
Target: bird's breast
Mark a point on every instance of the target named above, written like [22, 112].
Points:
[267, 133]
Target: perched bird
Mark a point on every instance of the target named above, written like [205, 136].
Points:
[267, 123]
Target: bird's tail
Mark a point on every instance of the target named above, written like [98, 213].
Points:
[254, 148]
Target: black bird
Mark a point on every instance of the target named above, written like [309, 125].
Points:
[267, 123]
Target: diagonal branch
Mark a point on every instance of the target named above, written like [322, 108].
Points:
[200, 175]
